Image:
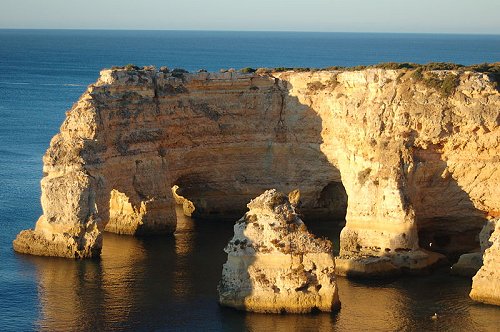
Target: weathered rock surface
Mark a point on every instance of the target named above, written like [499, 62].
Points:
[468, 264]
[418, 170]
[274, 264]
[187, 206]
[486, 282]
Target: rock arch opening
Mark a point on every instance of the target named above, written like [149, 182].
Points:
[410, 158]
[332, 203]
[448, 221]
[326, 216]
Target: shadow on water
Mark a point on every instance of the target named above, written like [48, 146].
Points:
[169, 283]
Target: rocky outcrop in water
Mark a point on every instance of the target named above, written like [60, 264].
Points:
[486, 282]
[274, 264]
[412, 154]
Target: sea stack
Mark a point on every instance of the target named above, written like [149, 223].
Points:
[486, 283]
[274, 264]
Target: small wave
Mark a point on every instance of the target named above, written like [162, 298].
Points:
[60, 84]
[44, 84]
[70, 84]
[4, 153]
[15, 83]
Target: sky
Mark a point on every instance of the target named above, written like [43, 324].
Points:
[425, 16]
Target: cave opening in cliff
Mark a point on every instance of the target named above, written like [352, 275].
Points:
[327, 216]
[451, 237]
[332, 202]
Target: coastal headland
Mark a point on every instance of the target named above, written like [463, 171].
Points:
[408, 153]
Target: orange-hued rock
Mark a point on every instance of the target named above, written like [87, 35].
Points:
[274, 264]
[486, 282]
[420, 167]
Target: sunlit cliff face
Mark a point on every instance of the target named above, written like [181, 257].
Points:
[417, 166]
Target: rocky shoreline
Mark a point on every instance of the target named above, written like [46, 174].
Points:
[411, 152]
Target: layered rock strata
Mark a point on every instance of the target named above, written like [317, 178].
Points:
[486, 282]
[404, 152]
[274, 264]
[417, 163]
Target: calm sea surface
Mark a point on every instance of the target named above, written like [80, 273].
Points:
[169, 283]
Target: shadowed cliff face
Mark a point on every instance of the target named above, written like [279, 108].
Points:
[413, 161]
[409, 161]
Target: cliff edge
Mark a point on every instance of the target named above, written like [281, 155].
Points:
[415, 152]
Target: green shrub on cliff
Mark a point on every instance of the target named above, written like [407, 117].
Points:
[131, 66]
[281, 69]
[442, 66]
[396, 65]
[247, 70]
[315, 86]
[444, 85]
[417, 74]
[179, 72]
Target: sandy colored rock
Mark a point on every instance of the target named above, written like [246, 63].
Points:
[274, 264]
[294, 197]
[485, 239]
[187, 206]
[486, 282]
[419, 170]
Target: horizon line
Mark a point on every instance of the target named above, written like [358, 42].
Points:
[263, 31]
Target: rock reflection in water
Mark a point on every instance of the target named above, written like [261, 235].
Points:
[184, 234]
[70, 294]
[290, 323]
[169, 283]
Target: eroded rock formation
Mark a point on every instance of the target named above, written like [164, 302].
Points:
[486, 282]
[419, 164]
[187, 206]
[470, 263]
[274, 264]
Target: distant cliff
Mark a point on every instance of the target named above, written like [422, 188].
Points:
[413, 153]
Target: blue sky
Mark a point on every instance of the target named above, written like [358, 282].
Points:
[448, 16]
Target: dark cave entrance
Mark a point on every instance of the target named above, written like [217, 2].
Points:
[323, 213]
[326, 217]
[451, 237]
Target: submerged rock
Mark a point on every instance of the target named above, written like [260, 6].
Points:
[274, 264]
[486, 283]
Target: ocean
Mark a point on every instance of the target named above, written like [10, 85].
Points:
[169, 283]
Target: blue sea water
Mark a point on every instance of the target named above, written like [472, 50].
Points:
[170, 283]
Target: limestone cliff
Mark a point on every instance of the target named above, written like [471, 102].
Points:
[274, 264]
[486, 282]
[419, 163]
